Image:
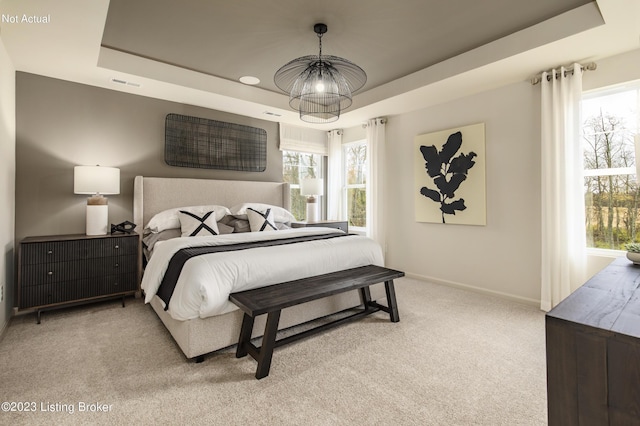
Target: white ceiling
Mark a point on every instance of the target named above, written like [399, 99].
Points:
[416, 53]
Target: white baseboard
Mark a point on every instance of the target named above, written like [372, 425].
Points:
[519, 299]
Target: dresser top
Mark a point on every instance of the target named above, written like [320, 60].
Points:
[72, 237]
[609, 301]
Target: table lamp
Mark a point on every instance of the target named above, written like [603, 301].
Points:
[96, 181]
[312, 188]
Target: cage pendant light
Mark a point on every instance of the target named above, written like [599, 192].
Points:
[321, 86]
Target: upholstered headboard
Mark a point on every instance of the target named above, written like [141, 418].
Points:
[151, 195]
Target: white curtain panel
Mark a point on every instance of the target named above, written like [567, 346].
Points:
[563, 217]
[375, 181]
[335, 195]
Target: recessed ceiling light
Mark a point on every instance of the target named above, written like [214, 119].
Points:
[250, 80]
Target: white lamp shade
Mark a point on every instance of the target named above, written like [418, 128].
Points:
[311, 186]
[96, 180]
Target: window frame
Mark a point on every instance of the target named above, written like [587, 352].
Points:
[634, 132]
[321, 168]
[346, 186]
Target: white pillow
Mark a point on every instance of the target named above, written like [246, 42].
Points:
[168, 219]
[280, 215]
[194, 225]
[261, 221]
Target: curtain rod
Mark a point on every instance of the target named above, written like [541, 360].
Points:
[591, 66]
[378, 120]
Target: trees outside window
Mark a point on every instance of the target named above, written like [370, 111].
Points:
[355, 171]
[610, 147]
[297, 166]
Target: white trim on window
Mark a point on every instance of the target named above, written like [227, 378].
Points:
[345, 186]
[623, 103]
[600, 252]
[611, 172]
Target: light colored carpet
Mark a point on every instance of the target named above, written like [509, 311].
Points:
[455, 358]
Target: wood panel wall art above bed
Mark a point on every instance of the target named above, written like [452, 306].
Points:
[199, 317]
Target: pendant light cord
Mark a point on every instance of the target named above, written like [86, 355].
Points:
[320, 55]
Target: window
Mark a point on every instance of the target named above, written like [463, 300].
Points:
[610, 147]
[354, 156]
[296, 166]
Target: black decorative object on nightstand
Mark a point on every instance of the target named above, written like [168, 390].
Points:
[338, 224]
[125, 227]
[63, 270]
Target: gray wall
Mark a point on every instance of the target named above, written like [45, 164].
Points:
[503, 257]
[7, 183]
[60, 125]
[354, 134]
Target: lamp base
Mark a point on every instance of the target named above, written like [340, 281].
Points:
[312, 210]
[97, 219]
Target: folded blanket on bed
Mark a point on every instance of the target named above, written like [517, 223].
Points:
[205, 281]
[178, 260]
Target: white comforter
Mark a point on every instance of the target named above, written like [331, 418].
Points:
[207, 280]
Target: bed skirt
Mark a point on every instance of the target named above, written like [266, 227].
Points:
[204, 335]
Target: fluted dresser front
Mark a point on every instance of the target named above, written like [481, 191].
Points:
[62, 270]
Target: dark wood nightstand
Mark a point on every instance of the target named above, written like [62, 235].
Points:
[338, 224]
[63, 270]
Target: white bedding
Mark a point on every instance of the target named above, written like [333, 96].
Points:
[207, 280]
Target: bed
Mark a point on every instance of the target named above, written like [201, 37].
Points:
[219, 328]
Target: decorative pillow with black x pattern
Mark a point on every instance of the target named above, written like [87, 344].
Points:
[261, 221]
[193, 225]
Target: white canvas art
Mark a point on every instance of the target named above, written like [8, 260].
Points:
[450, 176]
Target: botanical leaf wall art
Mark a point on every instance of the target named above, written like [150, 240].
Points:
[450, 176]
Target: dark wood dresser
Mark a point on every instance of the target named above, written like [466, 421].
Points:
[593, 351]
[61, 270]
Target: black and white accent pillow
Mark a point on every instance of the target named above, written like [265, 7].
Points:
[193, 225]
[261, 221]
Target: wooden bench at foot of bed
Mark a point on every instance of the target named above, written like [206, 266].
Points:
[272, 299]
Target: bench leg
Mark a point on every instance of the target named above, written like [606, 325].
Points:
[245, 336]
[268, 344]
[391, 301]
[365, 295]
